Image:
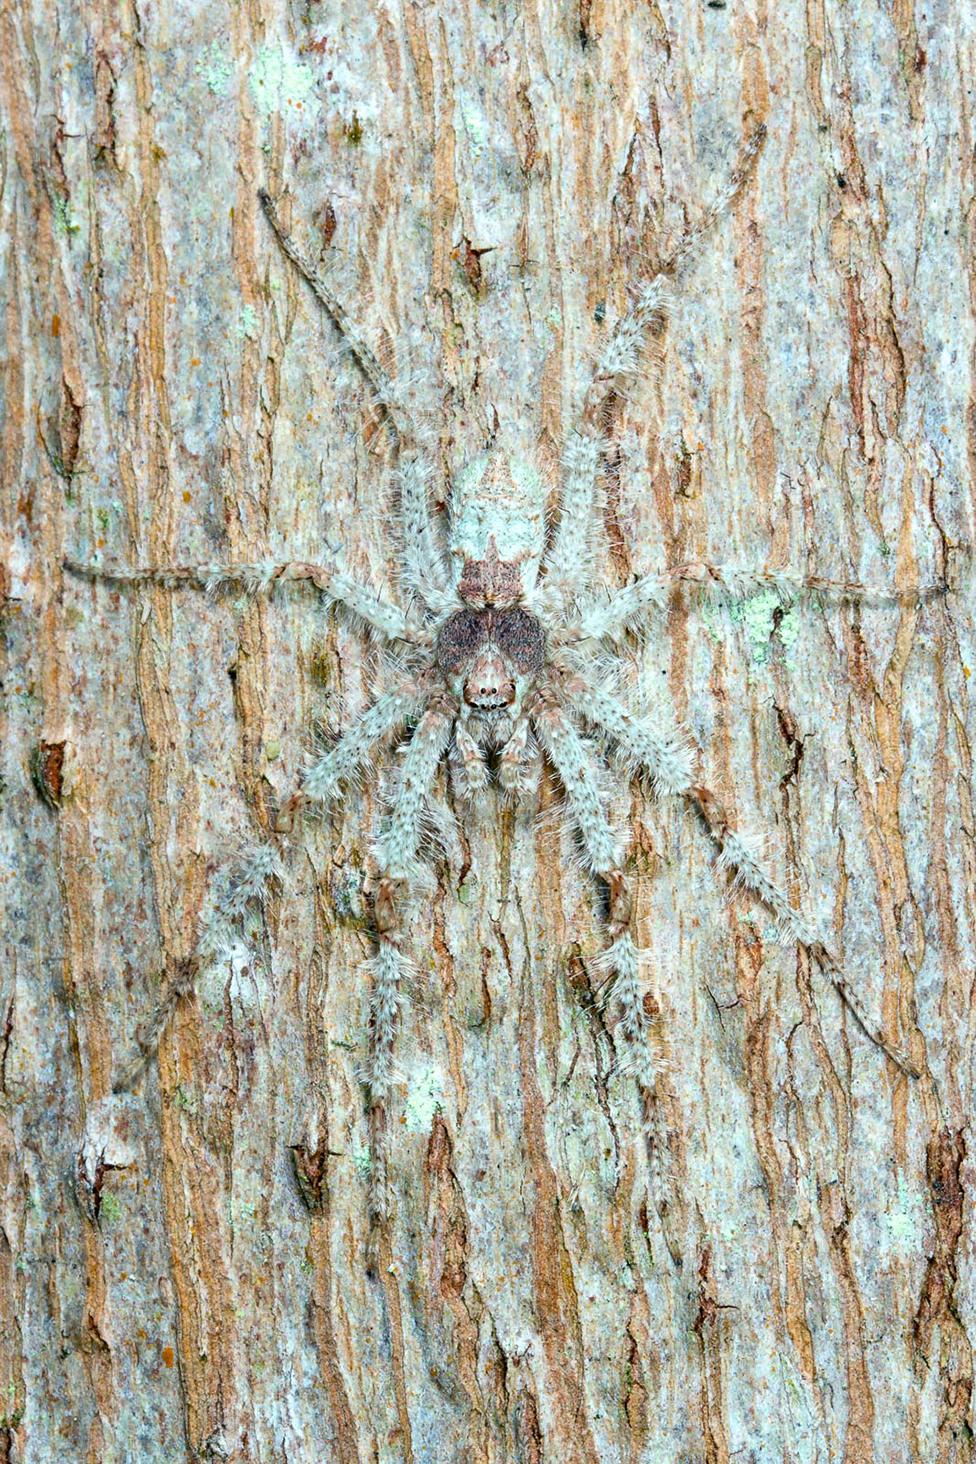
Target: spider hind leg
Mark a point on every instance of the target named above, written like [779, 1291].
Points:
[397, 855]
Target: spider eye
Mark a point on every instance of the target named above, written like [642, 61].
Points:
[520, 637]
[461, 638]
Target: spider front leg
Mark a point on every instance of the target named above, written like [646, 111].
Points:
[425, 569]
[669, 764]
[339, 588]
[607, 617]
[383, 386]
[621, 358]
[618, 365]
[397, 855]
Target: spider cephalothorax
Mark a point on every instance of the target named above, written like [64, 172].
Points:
[501, 628]
[491, 659]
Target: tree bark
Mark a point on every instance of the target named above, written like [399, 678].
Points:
[184, 1267]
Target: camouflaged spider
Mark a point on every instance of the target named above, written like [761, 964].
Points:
[497, 652]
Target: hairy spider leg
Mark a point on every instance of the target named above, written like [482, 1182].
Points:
[425, 567]
[609, 616]
[397, 855]
[241, 889]
[339, 588]
[343, 763]
[379, 380]
[520, 763]
[577, 769]
[618, 964]
[568, 563]
[469, 771]
[669, 766]
[737, 853]
[619, 363]
[211, 577]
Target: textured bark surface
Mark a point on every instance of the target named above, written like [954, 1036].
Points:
[485, 181]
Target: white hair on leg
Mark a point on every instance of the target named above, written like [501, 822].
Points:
[425, 570]
[343, 762]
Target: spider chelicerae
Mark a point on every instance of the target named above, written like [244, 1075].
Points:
[496, 646]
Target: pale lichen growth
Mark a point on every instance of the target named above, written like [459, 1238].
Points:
[282, 86]
[764, 619]
[247, 323]
[215, 69]
[424, 1100]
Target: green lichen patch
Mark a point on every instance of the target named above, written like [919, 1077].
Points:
[247, 323]
[281, 85]
[425, 1096]
[215, 69]
[65, 222]
[767, 624]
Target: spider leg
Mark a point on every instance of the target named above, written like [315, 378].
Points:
[574, 762]
[396, 851]
[381, 382]
[469, 772]
[622, 355]
[519, 763]
[566, 562]
[736, 582]
[619, 963]
[737, 854]
[343, 762]
[618, 364]
[666, 757]
[375, 610]
[240, 888]
[611, 615]
[425, 569]
[670, 767]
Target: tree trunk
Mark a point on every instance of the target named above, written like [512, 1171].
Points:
[185, 1267]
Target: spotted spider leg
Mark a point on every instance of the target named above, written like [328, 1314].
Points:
[607, 617]
[397, 855]
[378, 378]
[240, 890]
[618, 964]
[338, 588]
[669, 765]
[619, 364]
[426, 573]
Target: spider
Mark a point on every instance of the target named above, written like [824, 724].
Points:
[496, 649]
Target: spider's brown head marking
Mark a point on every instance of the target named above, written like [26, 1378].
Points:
[490, 581]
